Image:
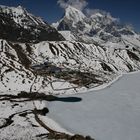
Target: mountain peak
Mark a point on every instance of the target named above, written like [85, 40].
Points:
[20, 7]
[71, 8]
[17, 10]
[74, 14]
[100, 26]
[24, 26]
[101, 16]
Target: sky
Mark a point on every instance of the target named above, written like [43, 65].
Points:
[128, 11]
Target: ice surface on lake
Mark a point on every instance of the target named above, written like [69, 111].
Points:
[109, 114]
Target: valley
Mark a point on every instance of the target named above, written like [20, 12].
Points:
[76, 79]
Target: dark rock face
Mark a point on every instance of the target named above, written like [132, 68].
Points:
[16, 24]
[65, 25]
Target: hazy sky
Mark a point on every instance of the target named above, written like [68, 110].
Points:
[128, 11]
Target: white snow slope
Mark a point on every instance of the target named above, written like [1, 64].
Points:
[109, 114]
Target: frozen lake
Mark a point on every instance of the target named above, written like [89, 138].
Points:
[112, 113]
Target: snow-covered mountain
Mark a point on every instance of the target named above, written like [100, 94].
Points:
[37, 62]
[23, 66]
[100, 27]
[16, 24]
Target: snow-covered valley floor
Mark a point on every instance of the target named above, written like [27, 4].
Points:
[112, 113]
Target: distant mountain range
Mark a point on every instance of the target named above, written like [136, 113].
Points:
[100, 27]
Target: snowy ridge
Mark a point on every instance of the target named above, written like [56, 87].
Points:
[100, 27]
[21, 16]
[104, 62]
[25, 26]
[73, 13]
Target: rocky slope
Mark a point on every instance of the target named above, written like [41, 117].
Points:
[24, 27]
[24, 65]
